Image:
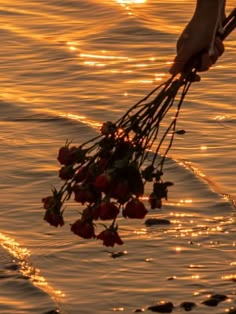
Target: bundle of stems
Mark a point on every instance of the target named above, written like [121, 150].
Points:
[108, 173]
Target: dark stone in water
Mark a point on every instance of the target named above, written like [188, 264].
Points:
[211, 302]
[166, 307]
[187, 306]
[215, 299]
[155, 221]
[138, 311]
[220, 297]
[232, 311]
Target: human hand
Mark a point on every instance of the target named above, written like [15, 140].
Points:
[197, 38]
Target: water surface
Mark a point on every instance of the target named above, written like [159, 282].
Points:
[65, 67]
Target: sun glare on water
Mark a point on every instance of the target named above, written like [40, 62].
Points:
[130, 1]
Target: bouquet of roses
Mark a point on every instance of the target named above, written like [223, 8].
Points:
[107, 174]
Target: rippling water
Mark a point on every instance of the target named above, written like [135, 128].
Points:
[65, 67]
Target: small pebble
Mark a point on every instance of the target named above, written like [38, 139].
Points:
[138, 311]
[166, 307]
[118, 254]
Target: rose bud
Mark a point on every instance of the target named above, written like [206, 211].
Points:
[103, 182]
[154, 201]
[121, 192]
[106, 211]
[135, 209]
[54, 218]
[66, 172]
[110, 237]
[83, 229]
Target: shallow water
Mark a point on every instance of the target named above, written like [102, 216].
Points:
[65, 67]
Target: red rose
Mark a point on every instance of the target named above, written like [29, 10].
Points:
[106, 211]
[84, 194]
[83, 229]
[87, 213]
[65, 155]
[70, 155]
[66, 172]
[103, 182]
[135, 209]
[110, 237]
[52, 202]
[121, 192]
[54, 218]
[108, 128]
[48, 202]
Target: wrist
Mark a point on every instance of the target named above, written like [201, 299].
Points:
[208, 3]
[208, 11]
[208, 7]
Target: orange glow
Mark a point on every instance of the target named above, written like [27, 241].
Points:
[130, 1]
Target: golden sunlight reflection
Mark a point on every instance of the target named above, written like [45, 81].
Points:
[22, 255]
[195, 276]
[141, 231]
[82, 119]
[229, 277]
[203, 147]
[103, 57]
[220, 118]
[130, 1]
[178, 214]
[178, 249]
[70, 116]
[182, 202]
[93, 63]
